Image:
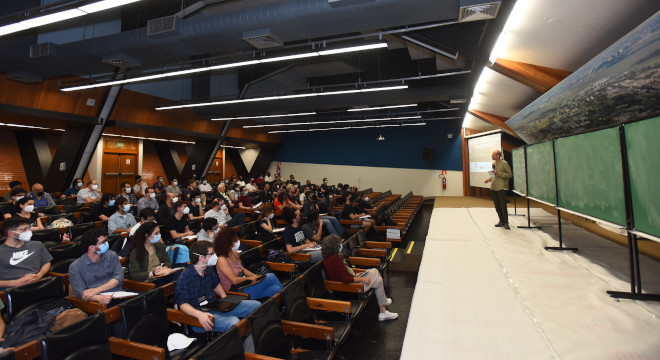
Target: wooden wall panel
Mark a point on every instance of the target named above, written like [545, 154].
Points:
[151, 166]
[47, 96]
[236, 130]
[11, 167]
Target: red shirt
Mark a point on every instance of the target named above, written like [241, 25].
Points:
[245, 200]
[336, 270]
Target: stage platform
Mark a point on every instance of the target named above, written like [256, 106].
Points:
[487, 293]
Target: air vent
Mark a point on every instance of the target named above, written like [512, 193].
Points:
[121, 61]
[42, 50]
[24, 77]
[162, 27]
[263, 38]
[475, 10]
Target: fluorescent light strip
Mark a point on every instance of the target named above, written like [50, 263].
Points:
[268, 98]
[382, 107]
[235, 147]
[265, 116]
[332, 122]
[345, 128]
[226, 66]
[144, 138]
[62, 15]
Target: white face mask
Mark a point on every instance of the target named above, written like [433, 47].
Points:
[271, 216]
[236, 245]
[128, 190]
[175, 183]
[366, 198]
[95, 186]
[223, 207]
[25, 235]
[29, 208]
[152, 195]
[174, 200]
[19, 197]
[186, 210]
[198, 200]
[213, 260]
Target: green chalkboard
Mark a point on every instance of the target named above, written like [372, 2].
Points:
[541, 172]
[519, 173]
[590, 175]
[643, 147]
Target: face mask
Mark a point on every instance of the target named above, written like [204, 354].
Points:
[245, 192]
[128, 190]
[95, 186]
[160, 180]
[204, 182]
[366, 198]
[186, 210]
[325, 182]
[271, 216]
[127, 208]
[19, 197]
[213, 260]
[341, 247]
[174, 200]
[198, 200]
[79, 184]
[175, 183]
[331, 196]
[236, 245]
[29, 208]
[111, 203]
[103, 248]
[40, 194]
[216, 230]
[223, 207]
[155, 239]
[152, 195]
[25, 235]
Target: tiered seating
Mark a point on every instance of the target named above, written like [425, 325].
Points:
[402, 212]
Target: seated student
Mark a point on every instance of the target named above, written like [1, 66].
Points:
[280, 201]
[222, 192]
[330, 223]
[122, 220]
[76, 185]
[235, 193]
[337, 270]
[199, 286]
[313, 226]
[147, 255]
[205, 187]
[140, 186]
[11, 208]
[167, 210]
[26, 206]
[22, 261]
[266, 224]
[266, 195]
[12, 185]
[349, 213]
[192, 186]
[173, 187]
[148, 200]
[89, 194]
[96, 271]
[362, 204]
[210, 227]
[196, 210]
[244, 201]
[220, 212]
[177, 226]
[147, 214]
[231, 271]
[293, 236]
[293, 197]
[159, 185]
[105, 209]
[40, 197]
[126, 190]
[251, 186]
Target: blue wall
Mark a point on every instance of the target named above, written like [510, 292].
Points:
[402, 148]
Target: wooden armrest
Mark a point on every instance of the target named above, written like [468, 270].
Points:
[98, 224]
[372, 252]
[124, 261]
[251, 356]
[169, 289]
[308, 330]
[329, 305]
[44, 220]
[363, 261]
[251, 243]
[243, 327]
[64, 231]
[350, 222]
[300, 257]
[112, 315]
[65, 277]
[378, 244]
[138, 286]
[246, 296]
[28, 351]
[182, 318]
[90, 307]
[123, 235]
[357, 288]
[283, 267]
[135, 350]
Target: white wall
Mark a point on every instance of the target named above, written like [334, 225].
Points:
[95, 167]
[400, 181]
[249, 156]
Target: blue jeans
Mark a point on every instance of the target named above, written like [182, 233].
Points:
[266, 288]
[332, 225]
[225, 320]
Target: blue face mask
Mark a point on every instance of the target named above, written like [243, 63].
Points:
[341, 247]
[103, 248]
[127, 208]
[204, 182]
[111, 203]
[79, 184]
[155, 239]
[245, 192]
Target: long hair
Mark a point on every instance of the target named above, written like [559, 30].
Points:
[265, 211]
[139, 238]
[224, 240]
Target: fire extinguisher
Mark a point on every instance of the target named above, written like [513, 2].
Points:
[444, 183]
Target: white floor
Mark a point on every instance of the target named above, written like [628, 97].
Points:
[488, 293]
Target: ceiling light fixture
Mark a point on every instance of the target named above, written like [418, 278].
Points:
[333, 121]
[283, 97]
[264, 116]
[232, 65]
[382, 107]
[511, 22]
[344, 128]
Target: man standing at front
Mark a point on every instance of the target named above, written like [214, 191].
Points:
[499, 186]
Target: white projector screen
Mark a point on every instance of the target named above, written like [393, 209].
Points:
[480, 149]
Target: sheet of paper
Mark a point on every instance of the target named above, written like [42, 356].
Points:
[278, 230]
[120, 294]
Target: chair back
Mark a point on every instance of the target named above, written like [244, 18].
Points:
[295, 302]
[315, 282]
[68, 216]
[76, 231]
[250, 257]
[86, 340]
[26, 297]
[227, 347]
[62, 266]
[47, 210]
[267, 332]
[47, 236]
[65, 251]
[144, 319]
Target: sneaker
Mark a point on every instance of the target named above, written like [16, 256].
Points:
[499, 224]
[387, 316]
[388, 302]
[506, 226]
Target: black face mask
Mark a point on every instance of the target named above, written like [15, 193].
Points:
[40, 194]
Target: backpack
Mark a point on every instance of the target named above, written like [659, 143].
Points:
[278, 256]
[182, 254]
[31, 325]
[259, 268]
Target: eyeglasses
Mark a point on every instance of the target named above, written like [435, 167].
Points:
[22, 229]
[206, 256]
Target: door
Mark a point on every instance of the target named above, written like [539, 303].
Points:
[118, 168]
[215, 172]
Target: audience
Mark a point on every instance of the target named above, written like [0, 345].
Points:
[105, 209]
[199, 286]
[177, 225]
[89, 194]
[232, 273]
[196, 210]
[293, 236]
[166, 211]
[220, 212]
[96, 271]
[159, 185]
[173, 187]
[41, 198]
[26, 206]
[205, 187]
[147, 255]
[210, 227]
[265, 224]
[337, 270]
[350, 213]
[12, 185]
[11, 208]
[76, 185]
[244, 201]
[122, 220]
[25, 261]
[148, 200]
[140, 186]
[147, 214]
[126, 193]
